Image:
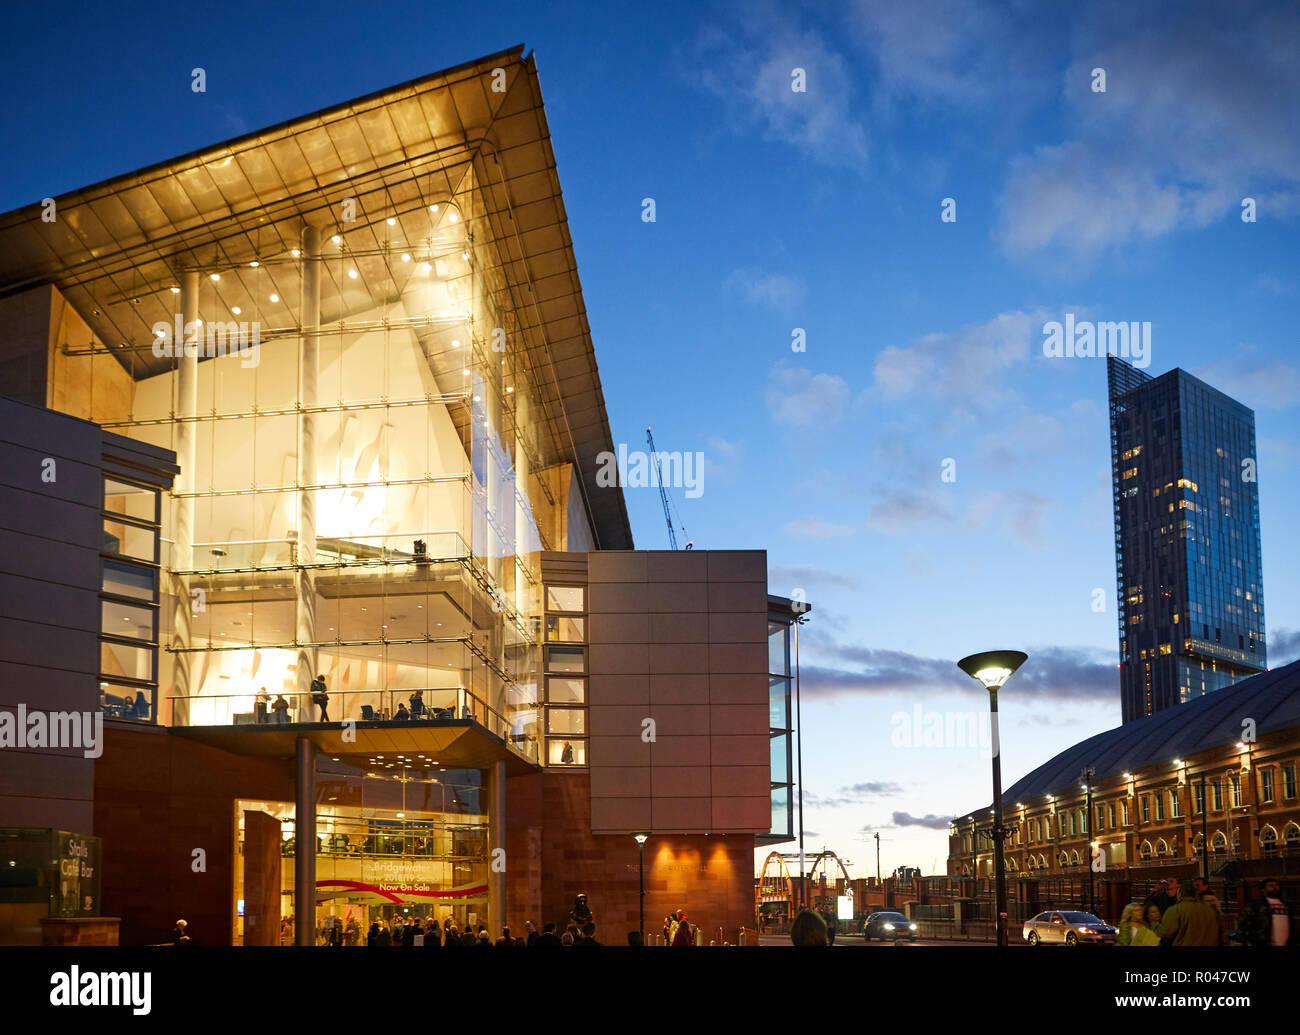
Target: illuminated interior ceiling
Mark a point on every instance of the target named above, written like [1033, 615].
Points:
[117, 247]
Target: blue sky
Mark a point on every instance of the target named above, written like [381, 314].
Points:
[820, 210]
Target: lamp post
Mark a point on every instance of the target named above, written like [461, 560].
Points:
[640, 869]
[993, 668]
[798, 719]
[1088, 774]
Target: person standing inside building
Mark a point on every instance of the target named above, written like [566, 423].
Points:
[281, 709]
[262, 704]
[683, 936]
[321, 697]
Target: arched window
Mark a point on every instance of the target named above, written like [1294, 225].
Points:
[1042, 862]
[1291, 837]
[1218, 843]
[1198, 843]
[1162, 848]
[1268, 842]
[1145, 850]
[1011, 864]
[1063, 859]
[1075, 860]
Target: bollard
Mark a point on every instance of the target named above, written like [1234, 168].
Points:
[743, 939]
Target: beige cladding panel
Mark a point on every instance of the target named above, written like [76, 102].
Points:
[681, 638]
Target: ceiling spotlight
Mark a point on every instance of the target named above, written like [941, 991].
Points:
[478, 398]
[214, 276]
[425, 267]
[509, 388]
[406, 256]
[294, 252]
[452, 217]
[465, 256]
[176, 291]
[255, 264]
[455, 343]
[466, 373]
[337, 239]
[236, 310]
[352, 274]
[275, 298]
[391, 221]
[433, 208]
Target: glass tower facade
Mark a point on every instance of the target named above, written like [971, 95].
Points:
[1187, 548]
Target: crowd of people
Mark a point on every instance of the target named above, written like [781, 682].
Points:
[1191, 914]
[411, 931]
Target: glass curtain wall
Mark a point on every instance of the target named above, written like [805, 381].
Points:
[381, 528]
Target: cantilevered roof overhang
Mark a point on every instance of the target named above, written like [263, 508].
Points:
[116, 248]
[453, 743]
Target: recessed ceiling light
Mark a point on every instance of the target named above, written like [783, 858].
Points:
[352, 274]
[510, 389]
[255, 264]
[466, 373]
[465, 256]
[236, 310]
[425, 267]
[176, 291]
[452, 217]
[433, 208]
[294, 252]
[214, 276]
[406, 256]
[336, 239]
[275, 298]
[455, 343]
[392, 221]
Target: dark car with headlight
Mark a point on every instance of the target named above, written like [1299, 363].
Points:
[888, 927]
[1068, 927]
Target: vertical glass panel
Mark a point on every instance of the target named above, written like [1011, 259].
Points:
[566, 691]
[780, 763]
[565, 598]
[128, 540]
[778, 648]
[117, 619]
[130, 580]
[131, 500]
[560, 751]
[564, 659]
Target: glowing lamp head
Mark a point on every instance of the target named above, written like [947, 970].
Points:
[993, 667]
[641, 838]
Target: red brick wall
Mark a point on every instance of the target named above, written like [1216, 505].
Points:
[157, 798]
[711, 877]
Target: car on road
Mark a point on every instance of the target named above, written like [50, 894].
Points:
[1068, 927]
[888, 927]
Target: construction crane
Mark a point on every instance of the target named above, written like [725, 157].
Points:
[669, 509]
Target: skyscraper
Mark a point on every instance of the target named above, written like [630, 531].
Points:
[1187, 551]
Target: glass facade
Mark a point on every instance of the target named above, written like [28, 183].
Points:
[392, 841]
[1187, 545]
[370, 487]
[780, 660]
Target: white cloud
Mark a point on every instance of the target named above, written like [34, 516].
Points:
[1198, 113]
[961, 365]
[775, 290]
[748, 65]
[815, 528]
[797, 396]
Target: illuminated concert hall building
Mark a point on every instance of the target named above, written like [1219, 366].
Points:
[322, 402]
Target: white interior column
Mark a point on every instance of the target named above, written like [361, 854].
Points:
[305, 575]
[182, 556]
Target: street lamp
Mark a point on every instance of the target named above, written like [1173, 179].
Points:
[1088, 775]
[640, 867]
[993, 668]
